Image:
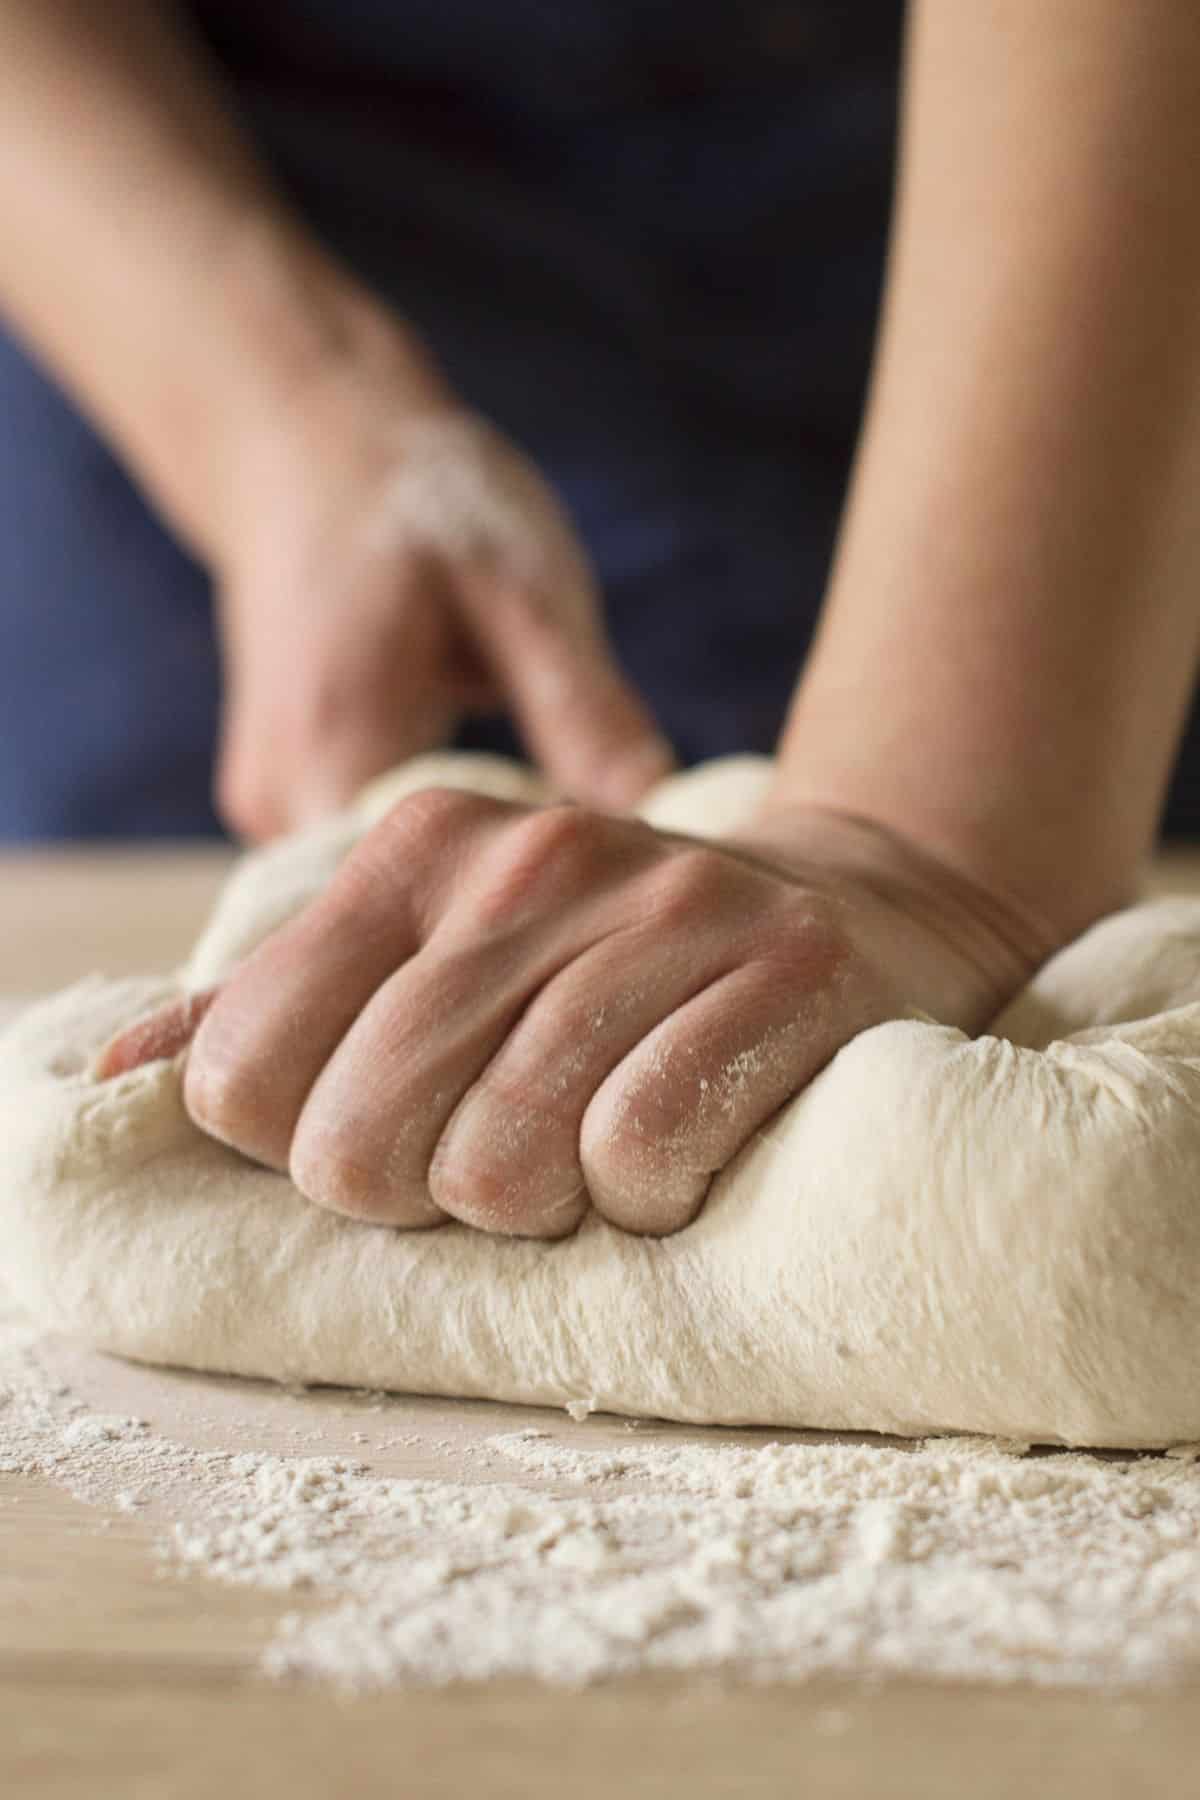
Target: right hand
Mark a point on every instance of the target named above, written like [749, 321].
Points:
[504, 1014]
[393, 566]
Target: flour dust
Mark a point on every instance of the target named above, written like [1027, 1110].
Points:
[964, 1560]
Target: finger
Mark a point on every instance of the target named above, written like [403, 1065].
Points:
[527, 909]
[163, 1035]
[579, 715]
[281, 1015]
[508, 1160]
[694, 1092]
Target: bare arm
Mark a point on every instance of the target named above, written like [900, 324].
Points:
[275, 410]
[1013, 620]
[145, 254]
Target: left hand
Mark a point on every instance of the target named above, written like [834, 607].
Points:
[417, 568]
[497, 1014]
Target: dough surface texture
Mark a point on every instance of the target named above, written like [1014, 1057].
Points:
[996, 1235]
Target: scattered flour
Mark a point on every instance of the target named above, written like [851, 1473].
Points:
[962, 1559]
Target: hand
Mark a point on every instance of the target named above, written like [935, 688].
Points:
[497, 1014]
[391, 568]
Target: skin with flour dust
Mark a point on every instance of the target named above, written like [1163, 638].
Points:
[497, 1013]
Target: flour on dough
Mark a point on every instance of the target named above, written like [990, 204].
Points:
[996, 1235]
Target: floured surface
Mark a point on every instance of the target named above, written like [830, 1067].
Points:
[115, 1677]
[421, 1544]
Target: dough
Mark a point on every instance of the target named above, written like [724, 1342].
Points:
[941, 1234]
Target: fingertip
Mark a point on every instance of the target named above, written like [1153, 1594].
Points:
[579, 713]
[159, 1037]
[658, 1211]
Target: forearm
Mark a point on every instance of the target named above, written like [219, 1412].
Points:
[1012, 625]
[146, 257]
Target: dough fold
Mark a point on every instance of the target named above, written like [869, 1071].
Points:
[996, 1235]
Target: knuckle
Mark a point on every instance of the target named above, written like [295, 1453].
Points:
[637, 1184]
[613, 1160]
[808, 946]
[432, 814]
[326, 1170]
[558, 836]
[689, 883]
[478, 1194]
[634, 1130]
[504, 1177]
[415, 834]
[621, 1141]
[631, 1159]
[557, 852]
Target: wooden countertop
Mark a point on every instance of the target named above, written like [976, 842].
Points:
[117, 1682]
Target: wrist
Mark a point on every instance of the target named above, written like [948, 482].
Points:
[279, 326]
[965, 949]
[1027, 813]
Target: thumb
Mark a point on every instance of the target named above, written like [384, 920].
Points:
[579, 715]
[365, 686]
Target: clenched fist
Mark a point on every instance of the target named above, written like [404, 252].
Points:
[500, 1014]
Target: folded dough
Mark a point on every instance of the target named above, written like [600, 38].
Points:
[999, 1234]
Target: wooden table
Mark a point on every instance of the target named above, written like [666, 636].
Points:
[117, 1682]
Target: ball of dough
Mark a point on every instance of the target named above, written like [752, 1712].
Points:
[997, 1234]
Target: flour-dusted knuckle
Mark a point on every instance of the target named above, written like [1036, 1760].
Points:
[939, 1234]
